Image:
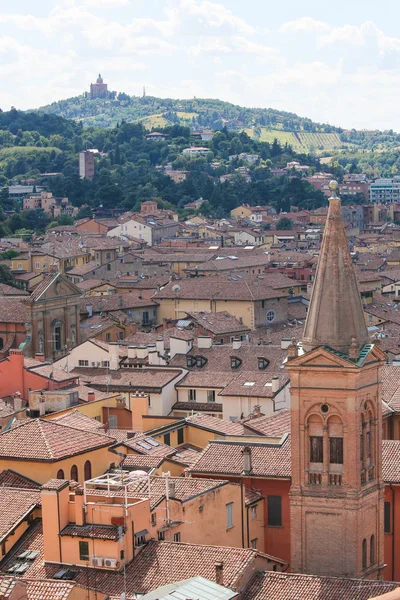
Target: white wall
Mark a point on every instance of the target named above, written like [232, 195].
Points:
[85, 351]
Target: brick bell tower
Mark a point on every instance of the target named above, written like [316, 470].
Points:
[336, 497]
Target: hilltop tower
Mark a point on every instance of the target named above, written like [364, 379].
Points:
[336, 497]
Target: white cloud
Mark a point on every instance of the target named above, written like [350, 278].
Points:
[202, 16]
[366, 34]
[105, 3]
[307, 24]
[231, 45]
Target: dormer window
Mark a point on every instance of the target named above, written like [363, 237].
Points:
[235, 362]
[200, 361]
[190, 361]
[262, 363]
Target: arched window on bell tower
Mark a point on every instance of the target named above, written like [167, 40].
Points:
[367, 444]
[325, 446]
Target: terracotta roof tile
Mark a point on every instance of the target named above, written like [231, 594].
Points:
[142, 379]
[78, 420]
[142, 461]
[98, 532]
[218, 322]
[49, 590]
[42, 440]
[274, 425]
[292, 586]
[204, 288]
[12, 310]
[11, 479]
[391, 461]
[215, 424]
[15, 503]
[225, 458]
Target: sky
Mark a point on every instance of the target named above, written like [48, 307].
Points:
[335, 62]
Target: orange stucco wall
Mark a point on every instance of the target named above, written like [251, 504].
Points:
[100, 459]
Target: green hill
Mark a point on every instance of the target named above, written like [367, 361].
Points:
[262, 124]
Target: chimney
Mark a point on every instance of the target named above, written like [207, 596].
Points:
[17, 402]
[236, 344]
[219, 573]
[140, 296]
[257, 411]
[121, 301]
[285, 343]
[204, 341]
[171, 488]
[160, 345]
[293, 350]
[39, 356]
[114, 357]
[275, 384]
[246, 452]
[91, 396]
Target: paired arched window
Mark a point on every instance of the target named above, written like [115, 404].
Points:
[60, 474]
[88, 470]
[316, 433]
[364, 554]
[74, 472]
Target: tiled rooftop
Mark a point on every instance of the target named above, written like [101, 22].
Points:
[215, 424]
[15, 503]
[98, 532]
[274, 425]
[150, 569]
[48, 441]
[225, 458]
[218, 322]
[11, 479]
[292, 586]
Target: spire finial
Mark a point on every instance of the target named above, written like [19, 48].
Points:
[333, 186]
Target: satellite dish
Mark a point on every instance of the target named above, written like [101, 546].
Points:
[176, 288]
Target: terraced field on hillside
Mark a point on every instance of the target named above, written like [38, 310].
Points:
[300, 141]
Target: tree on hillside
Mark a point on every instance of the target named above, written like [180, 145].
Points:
[284, 223]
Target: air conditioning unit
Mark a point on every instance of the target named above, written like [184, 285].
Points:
[112, 563]
[97, 561]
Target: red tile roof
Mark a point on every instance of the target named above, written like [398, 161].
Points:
[92, 531]
[391, 461]
[78, 420]
[11, 479]
[152, 566]
[225, 458]
[216, 425]
[292, 586]
[15, 504]
[204, 288]
[40, 440]
[274, 425]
